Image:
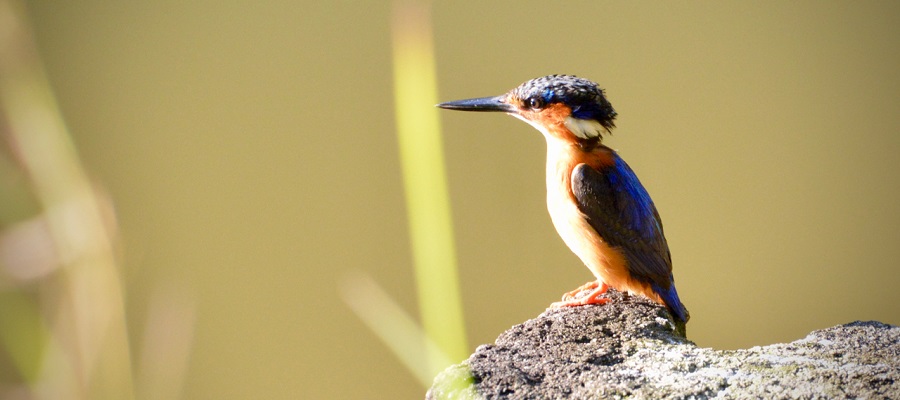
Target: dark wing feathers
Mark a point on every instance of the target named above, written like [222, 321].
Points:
[619, 208]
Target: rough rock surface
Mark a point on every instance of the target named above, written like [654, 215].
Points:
[629, 348]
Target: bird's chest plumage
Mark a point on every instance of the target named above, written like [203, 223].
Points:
[568, 220]
[606, 263]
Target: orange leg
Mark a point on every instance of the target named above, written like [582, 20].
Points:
[569, 300]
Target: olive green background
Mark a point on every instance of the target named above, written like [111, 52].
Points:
[250, 151]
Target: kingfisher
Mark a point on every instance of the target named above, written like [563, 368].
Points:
[596, 202]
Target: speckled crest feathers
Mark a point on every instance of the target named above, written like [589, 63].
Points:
[584, 97]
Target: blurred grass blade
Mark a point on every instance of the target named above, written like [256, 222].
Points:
[427, 198]
[392, 325]
[166, 345]
[88, 356]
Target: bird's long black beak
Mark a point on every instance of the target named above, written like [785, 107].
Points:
[495, 103]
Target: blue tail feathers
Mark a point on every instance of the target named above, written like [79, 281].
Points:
[670, 297]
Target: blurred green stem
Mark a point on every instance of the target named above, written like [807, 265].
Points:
[425, 183]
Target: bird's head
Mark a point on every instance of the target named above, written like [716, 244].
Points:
[560, 106]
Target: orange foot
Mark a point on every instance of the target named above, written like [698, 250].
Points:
[569, 300]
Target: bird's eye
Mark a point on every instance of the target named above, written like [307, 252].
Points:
[535, 103]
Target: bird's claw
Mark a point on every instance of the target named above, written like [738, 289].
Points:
[569, 299]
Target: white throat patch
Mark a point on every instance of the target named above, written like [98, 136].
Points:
[584, 128]
[536, 125]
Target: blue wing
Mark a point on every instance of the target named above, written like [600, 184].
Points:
[619, 208]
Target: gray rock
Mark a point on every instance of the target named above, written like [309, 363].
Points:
[629, 348]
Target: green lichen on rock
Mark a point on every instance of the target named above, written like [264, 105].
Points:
[454, 383]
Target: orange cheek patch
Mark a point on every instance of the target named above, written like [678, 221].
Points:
[554, 118]
[555, 113]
